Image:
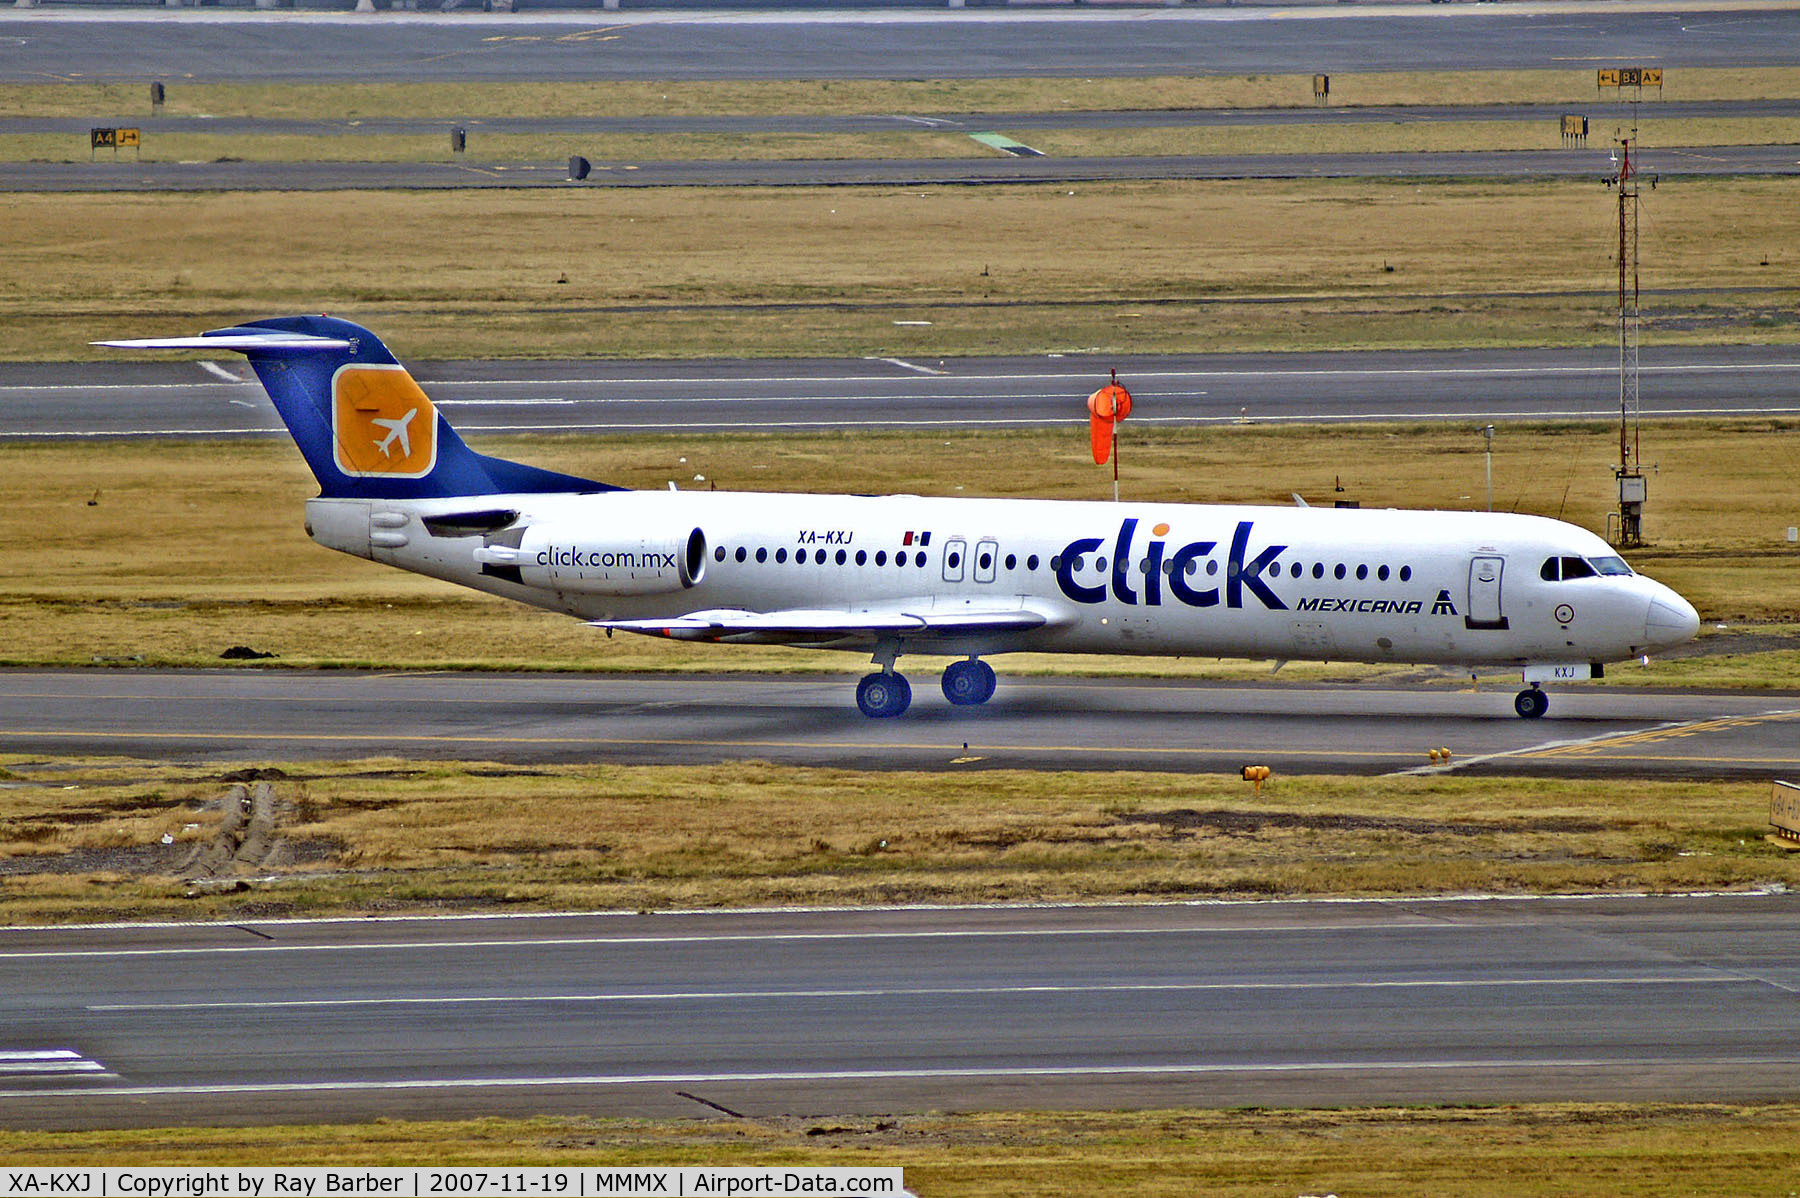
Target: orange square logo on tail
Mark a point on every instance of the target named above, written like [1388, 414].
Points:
[381, 423]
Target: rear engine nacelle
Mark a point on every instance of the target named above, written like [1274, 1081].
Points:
[568, 560]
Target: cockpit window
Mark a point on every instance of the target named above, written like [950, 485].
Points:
[1562, 569]
[1575, 567]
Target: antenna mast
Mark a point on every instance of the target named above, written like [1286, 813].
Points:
[1629, 471]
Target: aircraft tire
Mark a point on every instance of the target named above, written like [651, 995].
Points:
[969, 683]
[1531, 703]
[882, 695]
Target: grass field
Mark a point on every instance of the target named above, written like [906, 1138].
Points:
[1116, 267]
[190, 548]
[453, 101]
[82, 841]
[1567, 1150]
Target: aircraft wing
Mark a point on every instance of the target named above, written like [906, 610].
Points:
[835, 627]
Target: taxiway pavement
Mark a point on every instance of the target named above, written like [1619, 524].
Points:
[219, 45]
[1590, 162]
[253, 715]
[135, 399]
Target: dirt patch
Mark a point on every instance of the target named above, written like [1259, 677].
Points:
[1226, 822]
[256, 774]
[138, 859]
[247, 839]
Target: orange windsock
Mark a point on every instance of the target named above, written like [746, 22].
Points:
[1106, 407]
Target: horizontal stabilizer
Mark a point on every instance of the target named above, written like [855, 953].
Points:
[240, 342]
[362, 423]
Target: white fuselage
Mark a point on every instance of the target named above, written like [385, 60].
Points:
[1453, 588]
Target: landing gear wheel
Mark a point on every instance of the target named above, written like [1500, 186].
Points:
[882, 695]
[969, 683]
[1530, 704]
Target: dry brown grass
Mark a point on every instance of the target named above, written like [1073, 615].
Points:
[453, 101]
[83, 838]
[1589, 1149]
[1115, 267]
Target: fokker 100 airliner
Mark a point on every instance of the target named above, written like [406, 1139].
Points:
[968, 578]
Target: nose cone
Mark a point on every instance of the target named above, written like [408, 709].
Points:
[1670, 621]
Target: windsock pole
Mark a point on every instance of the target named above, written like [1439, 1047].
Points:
[1112, 403]
[1115, 440]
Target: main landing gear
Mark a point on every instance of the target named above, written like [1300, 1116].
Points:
[884, 694]
[969, 683]
[966, 683]
[1531, 702]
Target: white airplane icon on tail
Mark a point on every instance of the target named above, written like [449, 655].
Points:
[396, 429]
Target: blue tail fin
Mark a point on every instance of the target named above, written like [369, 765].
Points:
[360, 420]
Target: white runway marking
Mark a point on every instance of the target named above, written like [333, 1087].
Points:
[930, 992]
[904, 365]
[1148, 1069]
[51, 1064]
[1323, 418]
[1598, 370]
[529, 402]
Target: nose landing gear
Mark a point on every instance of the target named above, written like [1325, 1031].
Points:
[1531, 702]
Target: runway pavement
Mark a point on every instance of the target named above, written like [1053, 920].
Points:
[218, 45]
[871, 1011]
[246, 716]
[114, 399]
